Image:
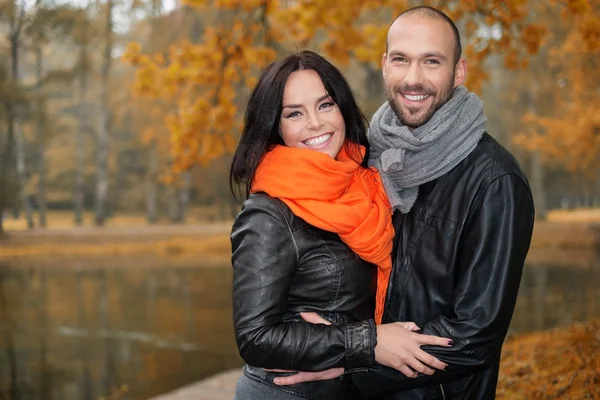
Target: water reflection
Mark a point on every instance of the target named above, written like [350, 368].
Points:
[125, 330]
[552, 296]
[118, 333]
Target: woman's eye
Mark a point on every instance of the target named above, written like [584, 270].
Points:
[327, 104]
[293, 114]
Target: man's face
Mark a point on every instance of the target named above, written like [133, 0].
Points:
[419, 69]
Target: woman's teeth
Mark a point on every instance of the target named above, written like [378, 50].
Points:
[317, 141]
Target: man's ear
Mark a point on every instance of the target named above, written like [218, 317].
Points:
[460, 72]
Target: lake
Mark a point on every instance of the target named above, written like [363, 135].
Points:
[129, 329]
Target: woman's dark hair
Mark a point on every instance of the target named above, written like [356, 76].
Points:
[263, 114]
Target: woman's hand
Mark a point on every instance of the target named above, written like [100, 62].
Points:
[399, 347]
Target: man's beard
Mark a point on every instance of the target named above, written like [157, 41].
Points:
[405, 115]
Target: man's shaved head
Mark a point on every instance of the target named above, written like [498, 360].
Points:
[430, 12]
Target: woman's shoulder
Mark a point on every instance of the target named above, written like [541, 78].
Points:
[262, 203]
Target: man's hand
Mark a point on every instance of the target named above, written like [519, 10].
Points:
[309, 376]
[399, 347]
[300, 377]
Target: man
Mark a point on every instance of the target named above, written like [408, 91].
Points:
[464, 218]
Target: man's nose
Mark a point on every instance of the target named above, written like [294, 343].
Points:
[413, 75]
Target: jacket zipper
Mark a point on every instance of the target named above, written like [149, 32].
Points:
[443, 394]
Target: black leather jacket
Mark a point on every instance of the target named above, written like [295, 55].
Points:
[282, 266]
[458, 259]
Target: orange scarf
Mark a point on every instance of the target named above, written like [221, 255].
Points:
[337, 196]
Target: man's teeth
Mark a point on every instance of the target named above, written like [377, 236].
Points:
[316, 141]
[416, 97]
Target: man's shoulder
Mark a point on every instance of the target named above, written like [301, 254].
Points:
[492, 159]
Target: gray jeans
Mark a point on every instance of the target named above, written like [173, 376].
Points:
[252, 389]
[257, 384]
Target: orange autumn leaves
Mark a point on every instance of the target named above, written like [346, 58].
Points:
[203, 83]
[567, 133]
[559, 364]
[208, 82]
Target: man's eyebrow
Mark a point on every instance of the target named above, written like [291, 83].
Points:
[434, 54]
[320, 99]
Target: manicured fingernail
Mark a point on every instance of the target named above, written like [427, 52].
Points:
[451, 342]
[277, 381]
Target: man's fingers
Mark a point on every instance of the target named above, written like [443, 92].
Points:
[407, 371]
[314, 318]
[418, 366]
[308, 376]
[430, 360]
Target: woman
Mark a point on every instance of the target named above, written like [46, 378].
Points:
[315, 233]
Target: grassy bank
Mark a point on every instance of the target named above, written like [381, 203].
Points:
[562, 363]
[129, 235]
[160, 241]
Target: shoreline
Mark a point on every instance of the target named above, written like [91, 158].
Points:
[213, 239]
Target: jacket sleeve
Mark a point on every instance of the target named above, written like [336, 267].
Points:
[265, 257]
[491, 257]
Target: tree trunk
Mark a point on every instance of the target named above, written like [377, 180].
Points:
[174, 206]
[184, 195]
[5, 164]
[104, 128]
[153, 160]
[152, 184]
[537, 186]
[537, 168]
[16, 124]
[83, 118]
[41, 197]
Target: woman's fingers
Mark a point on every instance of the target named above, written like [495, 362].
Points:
[435, 340]
[410, 326]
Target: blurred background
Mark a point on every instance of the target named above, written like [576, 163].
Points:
[118, 119]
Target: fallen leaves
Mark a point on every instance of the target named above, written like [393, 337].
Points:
[563, 363]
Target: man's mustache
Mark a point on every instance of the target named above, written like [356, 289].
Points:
[415, 89]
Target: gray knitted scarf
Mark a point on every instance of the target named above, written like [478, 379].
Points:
[408, 159]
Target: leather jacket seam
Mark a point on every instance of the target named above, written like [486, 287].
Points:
[286, 219]
[482, 193]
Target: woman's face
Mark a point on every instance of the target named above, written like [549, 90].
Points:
[310, 119]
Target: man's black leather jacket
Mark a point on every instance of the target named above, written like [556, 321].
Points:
[458, 259]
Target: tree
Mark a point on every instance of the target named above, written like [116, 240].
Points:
[17, 18]
[104, 121]
[202, 81]
[564, 128]
[46, 23]
[82, 34]
[207, 79]
[11, 94]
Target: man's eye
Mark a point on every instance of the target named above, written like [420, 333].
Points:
[432, 62]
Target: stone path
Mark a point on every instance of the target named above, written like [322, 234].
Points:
[216, 387]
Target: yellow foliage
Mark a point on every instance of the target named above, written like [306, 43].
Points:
[567, 135]
[208, 81]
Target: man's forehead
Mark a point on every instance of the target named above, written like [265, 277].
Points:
[422, 27]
